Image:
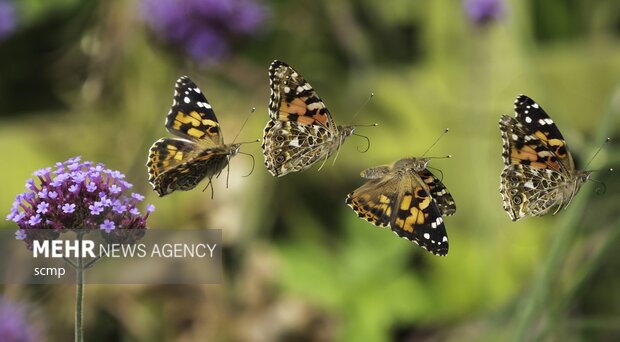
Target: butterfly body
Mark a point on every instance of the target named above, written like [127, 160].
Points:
[407, 197]
[539, 171]
[300, 131]
[199, 152]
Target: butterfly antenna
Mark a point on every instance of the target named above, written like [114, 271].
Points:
[244, 122]
[361, 107]
[253, 163]
[436, 141]
[597, 151]
[249, 142]
[367, 143]
[444, 157]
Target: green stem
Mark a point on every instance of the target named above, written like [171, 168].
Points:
[79, 294]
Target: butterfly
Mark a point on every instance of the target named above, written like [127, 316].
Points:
[539, 171]
[407, 197]
[199, 152]
[300, 131]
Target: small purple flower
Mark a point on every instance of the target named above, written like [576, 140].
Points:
[12, 214]
[91, 187]
[61, 178]
[117, 175]
[74, 188]
[206, 29]
[20, 234]
[78, 177]
[52, 195]
[107, 226]
[134, 212]
[19, 217]
[481, 12]
[68, 208]
[34, 220]
[42, 172]
[30, 184]
[137, 197]
[73, 166]
[42, 207]
[96, 208]
[115, 189]
[72, 160]
[43, 193]
[150, 208]
[118, 207]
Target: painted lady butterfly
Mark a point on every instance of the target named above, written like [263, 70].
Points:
[407, 197]
[200, 152]
[300, 131]
[539, 172]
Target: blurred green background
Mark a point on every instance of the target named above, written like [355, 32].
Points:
[95, 78]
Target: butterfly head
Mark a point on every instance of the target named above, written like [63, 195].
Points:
[583, 176]
[346, 131]
[233, 149]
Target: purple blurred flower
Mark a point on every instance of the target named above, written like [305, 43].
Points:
[204, 28]
[15, 326]
[53, 200]
[481, 12]
[8, 18]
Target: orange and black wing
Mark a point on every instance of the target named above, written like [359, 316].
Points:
[191, 116]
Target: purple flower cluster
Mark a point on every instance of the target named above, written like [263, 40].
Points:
[80, 195]
[481, 12]
[8, 18]
[14, 325]
[205, 29]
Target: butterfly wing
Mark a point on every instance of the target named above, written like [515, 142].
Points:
[536, 129]
[536, 161]
[291, 147]
[374, 201]
[165, 155]
[191, 116]
[294, 99]
[300, 130]
[439, 192]
[402, 202]
[530, 191]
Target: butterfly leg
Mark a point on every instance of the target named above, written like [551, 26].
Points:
[227, 174]
[211, 185]
[337, 153]
[324, 161]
